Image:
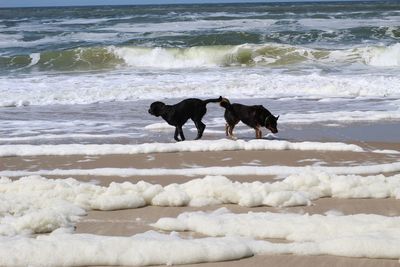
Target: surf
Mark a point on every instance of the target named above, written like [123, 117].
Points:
[246, 55]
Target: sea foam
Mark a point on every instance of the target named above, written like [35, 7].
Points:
[277, 170]
[36, 204]
[187, 146]
[358, 235]
[133, 85]
[289, 226]
[150, 248]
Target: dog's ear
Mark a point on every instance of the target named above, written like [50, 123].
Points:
[277, 117]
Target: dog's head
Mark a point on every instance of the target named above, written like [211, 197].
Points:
[271, 123]
[224, 102]
[156, 108]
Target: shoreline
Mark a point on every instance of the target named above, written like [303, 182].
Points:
[89, 178]
[144, 164]
[42, 125]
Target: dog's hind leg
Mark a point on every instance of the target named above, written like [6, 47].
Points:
[196, 118]
[200, 129]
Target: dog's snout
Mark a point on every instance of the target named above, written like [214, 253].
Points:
[273, 130]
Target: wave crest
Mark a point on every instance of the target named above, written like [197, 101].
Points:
[247, 55]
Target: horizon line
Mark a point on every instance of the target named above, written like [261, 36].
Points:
[198, 3]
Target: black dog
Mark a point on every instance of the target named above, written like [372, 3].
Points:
[178, 114]
[253, 116]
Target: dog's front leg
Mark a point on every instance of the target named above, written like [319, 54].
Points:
[181, 133]
[230, 131]
[227, 130]
[176, 134]
[258, 133]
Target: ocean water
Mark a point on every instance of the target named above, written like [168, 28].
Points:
[88, 74]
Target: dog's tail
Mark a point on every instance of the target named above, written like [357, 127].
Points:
[213, 100]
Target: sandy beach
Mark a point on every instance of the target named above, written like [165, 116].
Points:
[128, 222]
[90, 175]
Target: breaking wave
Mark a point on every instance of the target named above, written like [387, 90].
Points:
[247, 55]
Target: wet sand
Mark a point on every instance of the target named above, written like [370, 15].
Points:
[132, 221]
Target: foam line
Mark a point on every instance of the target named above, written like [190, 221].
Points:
[36, 204]
[358, 235]
[152, 248]
[62, 136]
[216, 170]
[140, 250]
[286, 226]
[187, 146]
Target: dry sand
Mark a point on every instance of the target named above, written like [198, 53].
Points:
[131, 221]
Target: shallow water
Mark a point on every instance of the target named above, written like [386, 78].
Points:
[88, 74]
[129, 122]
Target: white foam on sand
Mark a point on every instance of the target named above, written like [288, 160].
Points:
[29, 213]
[150, 248]
[373, 237]
[216, 170]
[288, 226]
[386, 151]
[36, 204]
[359, 235]
[187, 146]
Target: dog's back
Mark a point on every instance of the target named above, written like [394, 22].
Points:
[255, 116]
[249, 115]
[188, 108]
[178, 114]
[192, 108]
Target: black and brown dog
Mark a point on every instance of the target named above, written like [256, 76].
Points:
[253, 116]
[177, 115]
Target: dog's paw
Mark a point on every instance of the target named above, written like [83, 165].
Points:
[233, 137]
